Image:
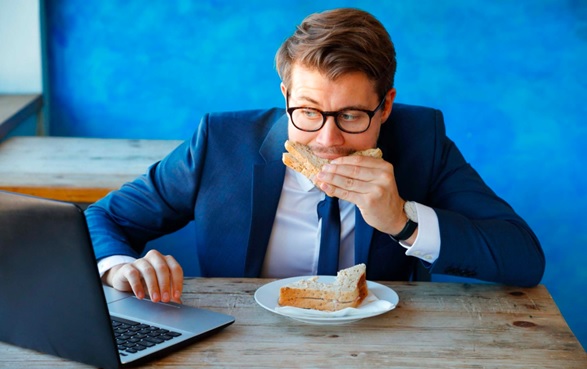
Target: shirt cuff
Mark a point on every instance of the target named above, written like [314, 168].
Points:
[427, 244]
[109, 262]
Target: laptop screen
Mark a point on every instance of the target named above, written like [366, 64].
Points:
[49, 282]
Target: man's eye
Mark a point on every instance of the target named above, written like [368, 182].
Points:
[349, 116]
[310, 113]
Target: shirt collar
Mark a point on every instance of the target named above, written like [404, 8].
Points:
[303, 181]
[307, 185]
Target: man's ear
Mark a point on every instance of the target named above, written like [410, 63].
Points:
[283, 90]
[389, 98]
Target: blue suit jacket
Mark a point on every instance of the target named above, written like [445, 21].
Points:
[228, 178]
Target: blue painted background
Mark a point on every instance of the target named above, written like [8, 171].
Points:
[508, 75]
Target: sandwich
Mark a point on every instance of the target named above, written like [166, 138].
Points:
[348, 290]
[300, 158]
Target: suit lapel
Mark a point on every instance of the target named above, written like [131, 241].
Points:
[268, 176]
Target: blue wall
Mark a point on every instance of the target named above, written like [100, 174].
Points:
[509, 76]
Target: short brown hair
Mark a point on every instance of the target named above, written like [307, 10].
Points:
[337, 42]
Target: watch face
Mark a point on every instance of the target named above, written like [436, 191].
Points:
[411, 212]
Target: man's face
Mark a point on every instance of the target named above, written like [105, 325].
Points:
[311, 89]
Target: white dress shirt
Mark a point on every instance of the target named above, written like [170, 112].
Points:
[294, 245]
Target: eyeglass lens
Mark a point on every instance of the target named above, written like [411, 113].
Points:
[348, 120]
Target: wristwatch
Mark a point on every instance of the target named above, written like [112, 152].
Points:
[411, 224]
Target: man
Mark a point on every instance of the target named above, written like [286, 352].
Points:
[420, 203]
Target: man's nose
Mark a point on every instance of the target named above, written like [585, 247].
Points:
[330, 134]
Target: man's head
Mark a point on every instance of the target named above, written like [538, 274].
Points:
[337, 61]
[338, 42]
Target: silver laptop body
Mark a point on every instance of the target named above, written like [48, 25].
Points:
[52, 299]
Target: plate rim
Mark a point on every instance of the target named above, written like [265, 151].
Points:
[276, 284]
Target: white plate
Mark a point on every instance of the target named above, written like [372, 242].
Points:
[267, 297]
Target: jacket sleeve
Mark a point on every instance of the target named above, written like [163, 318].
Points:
[156, 203]
[481, 235]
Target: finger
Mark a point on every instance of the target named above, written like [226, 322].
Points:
[363, 161]
[337, 179]
[340, 193]
[128, 278]
[149, 275]
[365, 173]
[343, 187]
[176, 278]
[169, 274]
[364, 194]
[163, 273]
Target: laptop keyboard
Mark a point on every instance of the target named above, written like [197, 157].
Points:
[132, 337]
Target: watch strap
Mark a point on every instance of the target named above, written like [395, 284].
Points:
[407, 232]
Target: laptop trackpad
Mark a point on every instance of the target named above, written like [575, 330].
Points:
[172, 315]
[112, 294]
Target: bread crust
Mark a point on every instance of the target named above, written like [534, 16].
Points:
[300, 158]
[348, 290]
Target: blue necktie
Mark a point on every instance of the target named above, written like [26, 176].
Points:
[329, 212]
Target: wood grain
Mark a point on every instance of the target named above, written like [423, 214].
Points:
[80, 170]
[436, 325]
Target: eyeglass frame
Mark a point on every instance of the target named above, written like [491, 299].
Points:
[334, 114]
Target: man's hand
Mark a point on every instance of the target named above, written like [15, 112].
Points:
[369, 183]
[159, 275]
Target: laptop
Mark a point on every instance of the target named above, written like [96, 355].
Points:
[52, 299]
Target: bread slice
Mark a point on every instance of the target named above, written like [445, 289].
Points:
[300, 158]
[348, 290]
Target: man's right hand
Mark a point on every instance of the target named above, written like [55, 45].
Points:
[156, 275]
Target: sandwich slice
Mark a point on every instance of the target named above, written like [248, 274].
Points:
[300, 158]
[348, 290]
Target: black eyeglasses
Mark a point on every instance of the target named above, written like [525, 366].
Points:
[347, 120]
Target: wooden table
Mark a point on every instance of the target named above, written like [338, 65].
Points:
[435, 325]
[80, 170]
